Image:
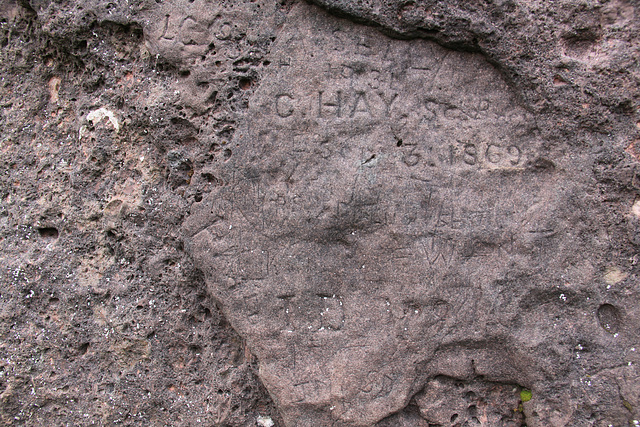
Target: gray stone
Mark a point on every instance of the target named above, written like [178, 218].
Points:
[198, 198]
[393, 212]
[108, 136]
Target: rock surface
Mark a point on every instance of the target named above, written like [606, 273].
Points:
[109, 131]
[384, 230]
[393, 213]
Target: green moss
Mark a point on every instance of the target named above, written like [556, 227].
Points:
[525, 395]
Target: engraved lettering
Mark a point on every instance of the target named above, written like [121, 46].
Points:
[341, 40]
[347, 72]
[284, 105]
[438, 248]
[378, 385]
[418, 318]
[493, 154]
[192, 32]
[284, 62]
[470, 154]
[361, 99]
[515, 152]
[387, 102]
[411, 158]
[430, 110]
[253, 305]
[446, 218]
[377, 194]
[337, 105]
[166, 27]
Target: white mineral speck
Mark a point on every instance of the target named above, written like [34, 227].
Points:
[265, 421]
[99, 114]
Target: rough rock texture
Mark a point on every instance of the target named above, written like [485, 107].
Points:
[395, 232]
[109, 130]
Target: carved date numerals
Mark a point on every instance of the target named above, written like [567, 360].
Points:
[481, 154]
[492, 153]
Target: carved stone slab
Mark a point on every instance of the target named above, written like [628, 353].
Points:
[388, 213]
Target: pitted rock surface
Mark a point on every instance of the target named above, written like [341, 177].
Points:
[109, 124]
[404, 235]
[391, 213]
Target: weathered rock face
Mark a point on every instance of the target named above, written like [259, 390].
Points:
[392, 213]
[403, 233]
[109, 131]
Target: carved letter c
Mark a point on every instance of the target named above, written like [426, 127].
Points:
[284, 109]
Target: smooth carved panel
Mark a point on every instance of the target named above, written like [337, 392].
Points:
[385, 199]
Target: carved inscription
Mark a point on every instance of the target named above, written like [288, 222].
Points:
[424, 119]
[187, 33]
[377, 190]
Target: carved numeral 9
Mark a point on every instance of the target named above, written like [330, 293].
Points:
[514, 152]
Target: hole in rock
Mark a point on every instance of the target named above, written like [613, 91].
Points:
[48, 232]
[245, 84]
[212, 98]
[84, 348]
[609, 318]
